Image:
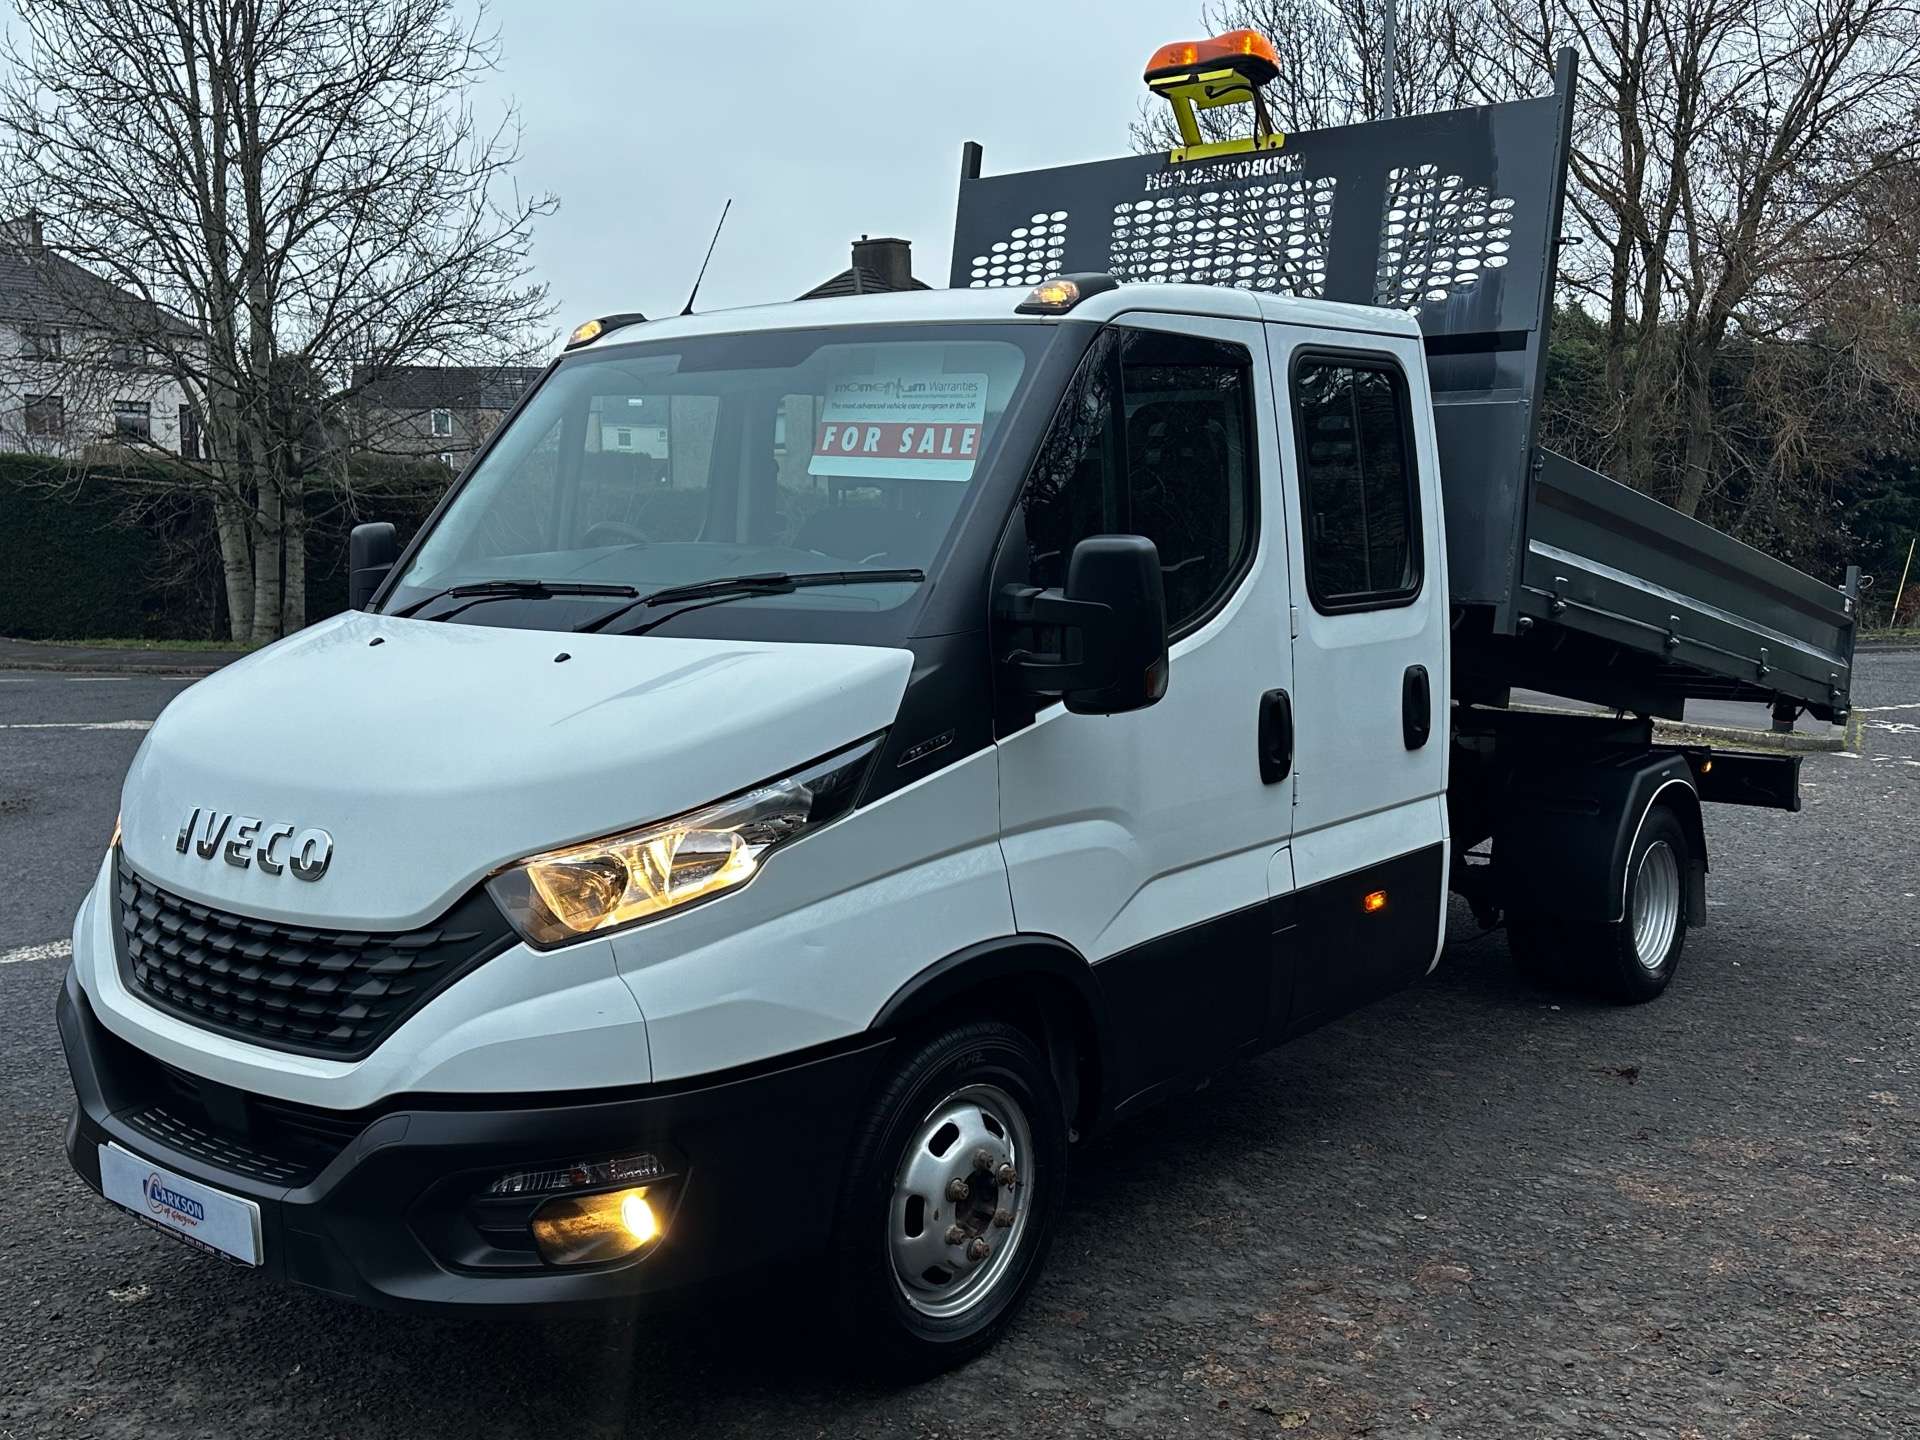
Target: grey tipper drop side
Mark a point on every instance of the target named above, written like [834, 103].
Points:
[1562, 579]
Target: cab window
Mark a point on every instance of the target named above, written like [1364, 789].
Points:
[1358, 486]
[1156, 439]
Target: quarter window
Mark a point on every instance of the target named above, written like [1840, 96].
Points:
[1155, 439]
[1357, 482]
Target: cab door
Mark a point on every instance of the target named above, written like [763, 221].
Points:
[1146, 840]
[1369, 595]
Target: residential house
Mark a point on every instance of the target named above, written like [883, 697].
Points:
[435, 411]
[84, 362]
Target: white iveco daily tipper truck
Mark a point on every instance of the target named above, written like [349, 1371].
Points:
[967, 717]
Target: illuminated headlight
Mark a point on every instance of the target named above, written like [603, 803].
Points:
[624, 879]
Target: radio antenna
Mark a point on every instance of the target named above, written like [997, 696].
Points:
[709, 260]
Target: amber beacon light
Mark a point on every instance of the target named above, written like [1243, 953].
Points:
[1229, 69]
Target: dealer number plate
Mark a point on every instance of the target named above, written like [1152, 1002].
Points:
[199, 1214]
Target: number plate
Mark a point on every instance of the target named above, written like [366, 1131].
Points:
[199, 1214]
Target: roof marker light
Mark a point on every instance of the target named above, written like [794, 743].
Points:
[588, 331]
[1060, 294]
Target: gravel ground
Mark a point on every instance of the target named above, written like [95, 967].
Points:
[1477, 1209]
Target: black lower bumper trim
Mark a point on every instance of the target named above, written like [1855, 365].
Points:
[388, 1221]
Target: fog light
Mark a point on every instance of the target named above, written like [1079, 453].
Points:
[592, 1229]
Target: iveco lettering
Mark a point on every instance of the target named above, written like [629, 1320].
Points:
[243, 840]
[821, 763]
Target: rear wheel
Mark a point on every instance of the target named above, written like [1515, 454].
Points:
[955, 1181]
[1634, 959]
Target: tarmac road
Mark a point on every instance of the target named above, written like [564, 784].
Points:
[1477, 1209]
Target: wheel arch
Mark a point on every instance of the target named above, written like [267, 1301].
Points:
[1563, 838]
[1037, 982]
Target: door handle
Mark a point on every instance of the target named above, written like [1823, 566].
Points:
[1276, 736]
[1416, 706]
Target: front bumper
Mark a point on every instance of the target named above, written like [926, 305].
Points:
[377, 1206]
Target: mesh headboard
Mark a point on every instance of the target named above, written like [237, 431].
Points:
[1454, 216]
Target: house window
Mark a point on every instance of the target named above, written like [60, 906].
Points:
[446, 458]
[1357, 481]
[189, 433]
[127, 352]
[46, 415]
[443, 422]
[133, 420]
[40, 344]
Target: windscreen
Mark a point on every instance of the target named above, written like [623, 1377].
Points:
[790, 452]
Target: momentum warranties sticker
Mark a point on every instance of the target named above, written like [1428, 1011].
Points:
[198, 1213]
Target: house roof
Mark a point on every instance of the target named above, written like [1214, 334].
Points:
[40, 287]
[443, 387]
[857, 280]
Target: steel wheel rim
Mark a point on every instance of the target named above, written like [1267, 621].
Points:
[1656, 904]
[936, 1276]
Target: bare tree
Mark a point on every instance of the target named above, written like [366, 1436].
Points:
[307, 184]
[1722, 152]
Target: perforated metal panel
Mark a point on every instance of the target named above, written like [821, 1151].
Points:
[1439, 235]
[1448, 215]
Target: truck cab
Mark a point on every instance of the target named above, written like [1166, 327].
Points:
[823, 761]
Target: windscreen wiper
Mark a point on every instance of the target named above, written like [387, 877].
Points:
[772, 582]
[477, 591]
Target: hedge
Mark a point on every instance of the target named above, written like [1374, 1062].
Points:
[101, 555]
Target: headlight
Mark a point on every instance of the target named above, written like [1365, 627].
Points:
[623, 879]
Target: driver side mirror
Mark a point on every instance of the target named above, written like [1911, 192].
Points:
[371, 551]
[1110, 654]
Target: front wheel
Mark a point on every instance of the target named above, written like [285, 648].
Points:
[951, 1195]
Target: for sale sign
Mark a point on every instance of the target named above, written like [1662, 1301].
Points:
[901, 427]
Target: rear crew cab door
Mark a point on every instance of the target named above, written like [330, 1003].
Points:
[1145, 840]
[1369, 597]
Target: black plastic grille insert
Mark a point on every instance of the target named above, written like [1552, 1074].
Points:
[291, 987]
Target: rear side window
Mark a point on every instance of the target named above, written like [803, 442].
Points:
[1157, 440]
[1357, 482]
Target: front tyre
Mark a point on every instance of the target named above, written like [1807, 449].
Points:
[951, 1195]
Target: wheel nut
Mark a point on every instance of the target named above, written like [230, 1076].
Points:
[979, 1250]
[958, 1188]
[983, 1160]
[1002, 1219]
[1007, 1175]
[956, 1235]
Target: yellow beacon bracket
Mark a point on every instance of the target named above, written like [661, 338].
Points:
[1198, 75]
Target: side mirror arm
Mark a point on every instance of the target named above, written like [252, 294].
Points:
[1041, 673]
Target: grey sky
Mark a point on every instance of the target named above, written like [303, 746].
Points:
[821, 120]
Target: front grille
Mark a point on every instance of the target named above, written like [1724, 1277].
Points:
[317, 992]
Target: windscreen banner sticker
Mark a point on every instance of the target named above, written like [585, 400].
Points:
[901, 427]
